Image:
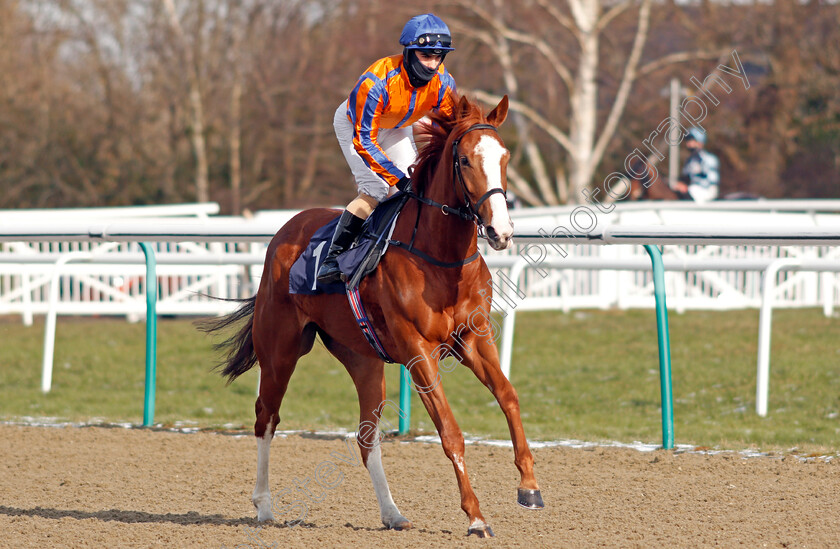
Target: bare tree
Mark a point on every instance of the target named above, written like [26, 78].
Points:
[110, 102]
[562, 43]
[196, 104]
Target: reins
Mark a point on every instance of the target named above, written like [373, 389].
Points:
[423, 255]
[461, 212]
[467, 212]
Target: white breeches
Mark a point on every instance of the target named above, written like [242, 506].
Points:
[397, 143]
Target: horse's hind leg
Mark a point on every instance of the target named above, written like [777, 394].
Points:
[277, 363]
[484, 362]
[369, 378]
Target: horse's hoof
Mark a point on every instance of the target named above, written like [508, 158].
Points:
[401, 524]
[263, 508]
[530, 499]
[481, 530]
[265, 517]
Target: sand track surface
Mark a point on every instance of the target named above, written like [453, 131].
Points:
[116, 487]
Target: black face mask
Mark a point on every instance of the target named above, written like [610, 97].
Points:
[418, 74]
[693, 150]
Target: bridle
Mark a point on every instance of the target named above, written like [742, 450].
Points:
[456, 167]
[469, 211]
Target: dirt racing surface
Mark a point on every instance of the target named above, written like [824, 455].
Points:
[115, 487]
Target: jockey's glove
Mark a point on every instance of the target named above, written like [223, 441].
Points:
[404, 184]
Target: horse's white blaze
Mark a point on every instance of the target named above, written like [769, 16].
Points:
[262, 495]
[387, 508]
[491, 153]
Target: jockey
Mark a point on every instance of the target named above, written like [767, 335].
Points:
[374, 126]
[700, 176]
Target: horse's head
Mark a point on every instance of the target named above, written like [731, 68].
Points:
[638, 178]
[645, 183]
[463, 162]
[480, 170]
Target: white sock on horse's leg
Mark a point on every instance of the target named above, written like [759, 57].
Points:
[262, 495]
[391, 516]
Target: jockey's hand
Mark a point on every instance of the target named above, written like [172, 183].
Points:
[404, 184]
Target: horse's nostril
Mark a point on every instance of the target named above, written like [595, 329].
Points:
[491, 232]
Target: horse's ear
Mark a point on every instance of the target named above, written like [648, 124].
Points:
[497, 116]
[464, 106]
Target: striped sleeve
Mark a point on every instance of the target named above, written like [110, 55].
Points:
[365, 106]
[447, 94]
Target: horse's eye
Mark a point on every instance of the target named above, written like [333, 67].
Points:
[465, 161]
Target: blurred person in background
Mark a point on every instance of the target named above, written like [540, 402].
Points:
[700, 175]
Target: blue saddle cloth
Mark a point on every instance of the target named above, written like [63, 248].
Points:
[358, 261]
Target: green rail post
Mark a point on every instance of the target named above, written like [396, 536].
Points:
[664, 347]
[405, 401]
[151, 335]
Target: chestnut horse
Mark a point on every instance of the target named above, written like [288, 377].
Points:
[420, 310]
[649, 186]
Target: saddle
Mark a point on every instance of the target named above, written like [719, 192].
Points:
[358, 261]
[361, 259]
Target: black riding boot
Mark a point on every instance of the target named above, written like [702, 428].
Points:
[346, 231]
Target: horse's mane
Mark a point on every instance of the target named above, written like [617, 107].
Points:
[434, 138]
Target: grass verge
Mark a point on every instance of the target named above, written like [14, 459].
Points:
[590, 375]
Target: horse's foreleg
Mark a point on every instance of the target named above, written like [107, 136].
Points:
[369, 378]
[371, 400]
[388, 511]
[427, 383]
[484, 362]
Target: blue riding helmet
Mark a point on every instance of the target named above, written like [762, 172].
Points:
[696, 134]
[427, 32]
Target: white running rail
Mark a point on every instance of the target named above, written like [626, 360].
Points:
[716, 264]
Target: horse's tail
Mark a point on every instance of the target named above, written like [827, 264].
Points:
[241, 356]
